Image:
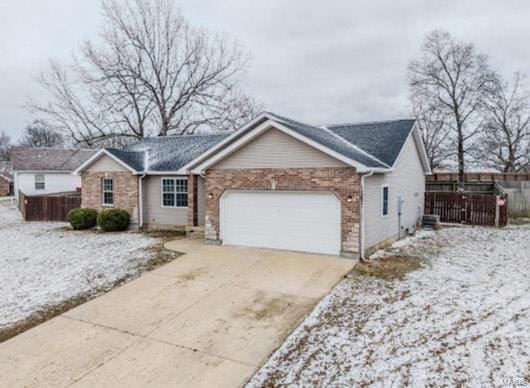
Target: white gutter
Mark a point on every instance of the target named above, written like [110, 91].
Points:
[361, 237]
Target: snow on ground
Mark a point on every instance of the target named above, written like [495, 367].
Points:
[463, 319]
[44, 264]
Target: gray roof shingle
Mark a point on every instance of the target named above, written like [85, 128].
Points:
[373, 144]
[382, 139]
[134, 159]
[48, 159]
[168, 153]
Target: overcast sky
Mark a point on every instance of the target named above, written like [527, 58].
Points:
[316, 61]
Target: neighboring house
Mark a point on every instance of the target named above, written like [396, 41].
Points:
[274, 183]
[6, 178]
[40, 171]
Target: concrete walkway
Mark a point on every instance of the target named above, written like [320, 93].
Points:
[210, 318]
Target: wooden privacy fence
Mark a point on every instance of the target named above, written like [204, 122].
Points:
[52, 207]
[466, 208]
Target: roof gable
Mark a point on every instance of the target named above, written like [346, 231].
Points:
[275, 149]
[319, 137]
[325, 137]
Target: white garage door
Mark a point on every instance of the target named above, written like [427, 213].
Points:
[300, 221]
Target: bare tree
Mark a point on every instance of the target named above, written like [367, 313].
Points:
[457, 79]
[435, 131]
[39, 134]
[151, 73]
[5, 146]
[505, 141]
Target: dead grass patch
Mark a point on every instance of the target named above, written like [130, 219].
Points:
[388, 267]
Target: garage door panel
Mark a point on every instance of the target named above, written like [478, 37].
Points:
[284, 220]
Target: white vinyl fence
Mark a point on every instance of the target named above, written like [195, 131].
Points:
[518, 198]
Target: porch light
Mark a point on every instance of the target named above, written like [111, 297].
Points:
[350, 198]
[210, 195]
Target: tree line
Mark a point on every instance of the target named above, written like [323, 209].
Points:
[467, 112]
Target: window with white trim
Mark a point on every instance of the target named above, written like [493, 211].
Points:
[39, 182]
[174, 192]
[384, 198]
[107, 191]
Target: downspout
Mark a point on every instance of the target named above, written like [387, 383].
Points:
[141, 192]
[361, 238]
[141, 202]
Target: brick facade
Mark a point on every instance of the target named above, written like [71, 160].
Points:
[344, 182]
[4, 187]
[125, 188]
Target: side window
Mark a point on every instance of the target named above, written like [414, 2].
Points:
[174, 192]
[39, 182]
[168, 192]
[384, 198]
[181, 192]
[107, 191]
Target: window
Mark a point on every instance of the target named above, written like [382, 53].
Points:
[39, 182]
[385, 200]
[174, 192]
[107, 192]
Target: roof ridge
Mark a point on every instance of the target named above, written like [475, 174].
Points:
[353, 145]
[189, 135]
[56, 148]
[370, 122]
[122, 149]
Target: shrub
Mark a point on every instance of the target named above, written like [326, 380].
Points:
[113, 220]
[81, 219]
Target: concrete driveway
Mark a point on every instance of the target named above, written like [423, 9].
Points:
[210, 318]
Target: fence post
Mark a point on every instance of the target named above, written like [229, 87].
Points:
[497, 211]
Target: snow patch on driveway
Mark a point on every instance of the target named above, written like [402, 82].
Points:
[463, 319]
[44, 264]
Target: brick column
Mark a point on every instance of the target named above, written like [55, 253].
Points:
[192, 200]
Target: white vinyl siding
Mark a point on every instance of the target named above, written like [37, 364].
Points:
[155, 214]
[300, 221]
[105, 164]
[55, 182]
[275, 149]
[406, 181]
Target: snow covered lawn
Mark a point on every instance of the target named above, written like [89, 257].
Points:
[45, 264]
[463, 318]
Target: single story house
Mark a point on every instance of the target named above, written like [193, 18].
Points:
[38, 171]
[6, 178]
[274, 183]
